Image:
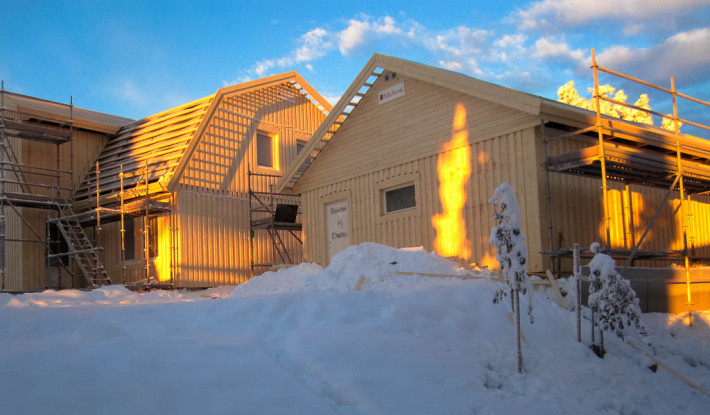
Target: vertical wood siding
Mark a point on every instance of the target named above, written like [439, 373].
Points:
[495, 160]
[26, 261]
[214, 245]
[402, 141]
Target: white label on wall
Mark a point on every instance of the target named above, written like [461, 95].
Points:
[391, 93]
[338, 227]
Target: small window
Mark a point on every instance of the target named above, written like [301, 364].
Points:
[264, 150]
[400, 198]
[300, 145]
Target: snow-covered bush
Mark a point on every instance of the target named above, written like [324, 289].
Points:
[512, 254]
[508, 238]
[611, 297]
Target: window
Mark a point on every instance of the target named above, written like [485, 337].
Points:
[129, 237]
[300, 145]
[153, 237]
[264, 150]
[400, 198]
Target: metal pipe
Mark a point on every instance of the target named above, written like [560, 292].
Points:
[550, 225]
[123, 230]
[602, 158]
[682, 202]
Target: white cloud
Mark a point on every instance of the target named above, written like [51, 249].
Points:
[311, 46]
[685, 56]
[520, 60]
[315, 44]
[460, 41]
[354, 36]
[547, 48]
[364, 30]
[567, 13]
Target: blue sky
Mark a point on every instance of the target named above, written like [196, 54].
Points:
[136, 58]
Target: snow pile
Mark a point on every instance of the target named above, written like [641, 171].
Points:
[377, 263]
[302, 341]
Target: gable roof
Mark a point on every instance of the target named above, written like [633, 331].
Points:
[163, 144]
[365, 80]
[650, 138]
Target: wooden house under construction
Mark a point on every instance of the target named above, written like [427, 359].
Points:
[185, 197]
[46, 149]
[411, 155]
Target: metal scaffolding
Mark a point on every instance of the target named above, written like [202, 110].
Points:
[634, 155]
[28, 184]
[274, 213]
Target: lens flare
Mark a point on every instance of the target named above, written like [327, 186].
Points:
[454, 170]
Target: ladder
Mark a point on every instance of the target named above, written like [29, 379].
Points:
[85, 255]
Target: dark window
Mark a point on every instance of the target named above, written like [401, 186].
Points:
[300, 145]
[130, 237]
[264, 156]
[400, 198]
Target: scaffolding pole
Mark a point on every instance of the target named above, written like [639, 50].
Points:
[146, 229]
[123, 228]
[602, 158]
[2, 187]
[684, 222]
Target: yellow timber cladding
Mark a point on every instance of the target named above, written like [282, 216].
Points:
[205, 238]
[383, 146]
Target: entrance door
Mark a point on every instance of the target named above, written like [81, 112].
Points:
[338, 227]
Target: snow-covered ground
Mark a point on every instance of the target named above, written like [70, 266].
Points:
[302, 341]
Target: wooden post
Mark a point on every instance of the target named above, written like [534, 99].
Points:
[516, 302]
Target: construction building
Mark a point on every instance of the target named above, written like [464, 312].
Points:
[183, 198]
[411, 155]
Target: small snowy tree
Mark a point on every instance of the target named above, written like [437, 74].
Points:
[613, 302]
[512, 254]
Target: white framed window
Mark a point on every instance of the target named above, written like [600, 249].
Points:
[400, 198]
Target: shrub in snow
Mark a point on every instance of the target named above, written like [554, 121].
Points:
[512, 253]
[508, 238]
[611, 298]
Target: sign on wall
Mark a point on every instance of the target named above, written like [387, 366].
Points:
[393, 92]
[338, 227]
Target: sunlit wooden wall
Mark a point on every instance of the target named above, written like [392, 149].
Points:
[401, 142]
